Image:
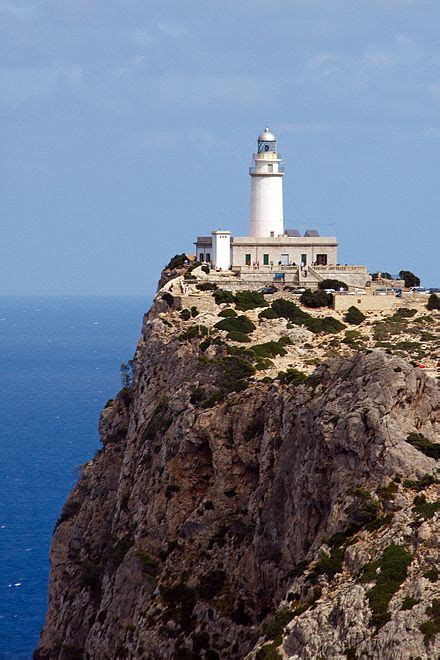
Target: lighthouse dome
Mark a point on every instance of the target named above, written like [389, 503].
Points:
[266, 136]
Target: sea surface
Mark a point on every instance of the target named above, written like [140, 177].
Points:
[60, 360]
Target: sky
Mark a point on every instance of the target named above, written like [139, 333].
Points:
[127, 129]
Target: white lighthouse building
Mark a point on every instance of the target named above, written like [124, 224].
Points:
[270, 253]
[266, 189]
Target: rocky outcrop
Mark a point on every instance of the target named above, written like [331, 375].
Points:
[194, 524]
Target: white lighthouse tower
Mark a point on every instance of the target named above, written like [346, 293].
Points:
[266, 189]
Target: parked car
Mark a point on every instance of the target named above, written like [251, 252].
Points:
[268, 289]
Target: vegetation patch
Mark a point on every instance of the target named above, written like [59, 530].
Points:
[185, 314]
[431, 449]
[332, 284]
[178, 261]
[168, 298]
[420, 484]
[195, 331]
[235, 335]
[393, 569]
[409, 602]
[149, 564]
[268, 350]
[228, 313]
[275, 629]
[431, 627]
[246, 300]
[425, 509]
[316, 298]
[433, 302]
[354, 316]
[292, 376]
[120, 548]
[159, 422]
[330, 564]
[207, 286]
[223, 296]
[268, 313]
[431, 574]
[239, 324]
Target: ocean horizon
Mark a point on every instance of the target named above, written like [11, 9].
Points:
[61, 357]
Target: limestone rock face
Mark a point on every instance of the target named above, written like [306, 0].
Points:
[191, 525]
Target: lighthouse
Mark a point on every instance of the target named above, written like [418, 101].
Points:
[266, 189]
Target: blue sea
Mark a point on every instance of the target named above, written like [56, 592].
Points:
[60, 359]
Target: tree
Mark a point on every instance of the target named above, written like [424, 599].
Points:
[433, 302]
[316, 298]
[354, 315]
[383, 274]
[332, 284]
[409, 278]
[177, 261]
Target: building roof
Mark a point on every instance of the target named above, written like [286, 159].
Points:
[311, 232]
[266, 136]
[292, 232]
[204, 240]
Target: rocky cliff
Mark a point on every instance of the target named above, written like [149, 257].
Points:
[231, 513]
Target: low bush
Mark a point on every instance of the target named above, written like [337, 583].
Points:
[292, 377]
[234, 372]
[330, 564]
[409, 602]
[168, 298]
[433, 302]
[316, 298]
[228, 313]
[393, 566]
[425, 509]
[235, 335]
[431, 627]
[185, 314]
[403, 313]
[268, 313]
[332, 284]
[149, 564]
[431, 574]
[268, 350]
[194, 312]
[193, 332]
[420, 484]
[223, 296]
[354, 316]
[431, 449]
[288, 310]
[207, 286]
[177, 261]
[239, 324]
[246, 300]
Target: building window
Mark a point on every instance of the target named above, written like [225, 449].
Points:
[265, 259]
[208, 257]
[247, 259]
[304, 259]
[321, 259]
[201, 257]
[270, 168]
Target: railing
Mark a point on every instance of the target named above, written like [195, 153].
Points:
[254, 170]
[340, 268]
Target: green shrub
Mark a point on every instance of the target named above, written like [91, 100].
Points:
[194, 312]
[431, 627]
[354, 316]
[433, 302]
[384, 274]
[330, 564]
[185, 314]
[197, 395]
[240, 324]
[214, 399]
[268, 350]
[120, 547]
[316, 298]
[292, 377]
[193, 332]
[431, 574]
[285, 341]
[228, 313]
[234, 372]
[275, 628]
[431, 449]
[177, 261]
[268, 313]
[332, 284]
[222, 296]
[425, 509]
[393, 566]
[409, 602]
[149, 564]
[235, 335]
[246, 300]
[403, 313]
[168, 299]
[207, 286]
[288, 310]
[420, 484]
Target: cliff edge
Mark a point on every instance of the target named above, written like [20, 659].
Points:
[242, 506]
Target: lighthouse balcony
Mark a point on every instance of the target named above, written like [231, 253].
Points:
[262, 171]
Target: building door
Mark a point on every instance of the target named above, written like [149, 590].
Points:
[284, 259]
[321, 259]
[304, 259]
